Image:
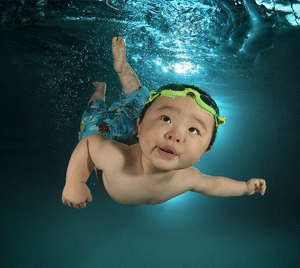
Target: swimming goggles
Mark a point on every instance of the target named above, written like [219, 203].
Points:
[203, 101]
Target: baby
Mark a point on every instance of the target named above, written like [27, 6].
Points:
[143, 148]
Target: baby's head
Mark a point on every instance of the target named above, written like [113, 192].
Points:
[181, 120]
[212, 108]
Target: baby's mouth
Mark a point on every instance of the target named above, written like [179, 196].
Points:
[169, 149]
[166, 150]
[167, 153]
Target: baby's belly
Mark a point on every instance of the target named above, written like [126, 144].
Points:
[126, 192]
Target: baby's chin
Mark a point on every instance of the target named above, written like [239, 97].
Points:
[169, 165]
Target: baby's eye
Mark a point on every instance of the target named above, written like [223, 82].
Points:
[165, 118]
[194, 130]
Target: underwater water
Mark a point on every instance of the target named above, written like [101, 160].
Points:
[246, 54]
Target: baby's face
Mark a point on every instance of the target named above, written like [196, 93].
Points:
[177, 124]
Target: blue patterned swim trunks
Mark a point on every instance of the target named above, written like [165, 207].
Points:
[118, 122]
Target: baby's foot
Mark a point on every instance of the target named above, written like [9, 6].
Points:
[100, 87]
[119, 53]
[99, 91]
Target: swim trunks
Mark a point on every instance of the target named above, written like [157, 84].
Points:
[118, 122]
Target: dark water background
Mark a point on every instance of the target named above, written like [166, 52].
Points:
[246, 54]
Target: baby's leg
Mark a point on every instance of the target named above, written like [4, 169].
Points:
[127, 76]
[99, 91]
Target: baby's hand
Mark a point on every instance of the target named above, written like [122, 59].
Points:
[256, 186]
[76, 195]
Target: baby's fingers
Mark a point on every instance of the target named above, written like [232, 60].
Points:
[80, 206]
[64, 201]
[260, 187]
[76, 205]
[256, 187]
[89, 199]
[263, 188]
[84, 204]
[70, 204]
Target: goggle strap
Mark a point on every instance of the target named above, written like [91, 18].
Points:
[219, 120]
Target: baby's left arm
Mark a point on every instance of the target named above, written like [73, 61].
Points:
[225, 187]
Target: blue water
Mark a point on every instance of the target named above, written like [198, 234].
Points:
[246, 54]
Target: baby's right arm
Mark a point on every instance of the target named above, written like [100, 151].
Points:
[83, 160]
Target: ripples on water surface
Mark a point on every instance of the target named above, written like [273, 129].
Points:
[189, 37]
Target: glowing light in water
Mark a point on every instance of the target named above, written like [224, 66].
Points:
[184, 200]
[182, 67]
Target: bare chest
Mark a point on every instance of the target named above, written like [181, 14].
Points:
[128, 189]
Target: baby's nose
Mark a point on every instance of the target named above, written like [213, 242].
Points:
[175, 136]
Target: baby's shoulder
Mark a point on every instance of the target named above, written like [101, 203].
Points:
[187, 177]
[117, 153]
[189, 172]
[108, 153]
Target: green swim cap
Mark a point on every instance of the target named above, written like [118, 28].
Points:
[203, 101]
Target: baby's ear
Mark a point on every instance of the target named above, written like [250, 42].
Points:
[208, 149]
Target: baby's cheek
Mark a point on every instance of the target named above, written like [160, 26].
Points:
[197, 151]
[146, 137]
[191, 160]
[152, 131]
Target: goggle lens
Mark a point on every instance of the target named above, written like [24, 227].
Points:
[211, 103]
[220, 120]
